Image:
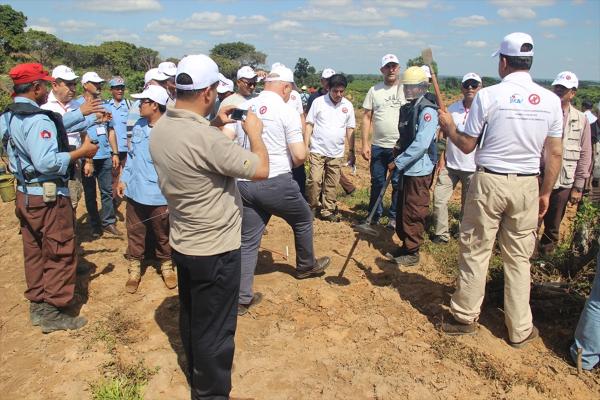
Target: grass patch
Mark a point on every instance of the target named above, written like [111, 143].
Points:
[123, 382]
[116, 328]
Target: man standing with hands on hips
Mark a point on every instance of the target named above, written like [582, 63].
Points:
[510, 123]
[38, 151]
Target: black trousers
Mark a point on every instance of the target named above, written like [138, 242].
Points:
[208, 301]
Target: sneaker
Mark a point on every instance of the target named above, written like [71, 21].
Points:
[331, 217]
[35, 313]
[456, 328]
[402, 257]
[533, 335]
[112, 229]
[320, 265]
[244, 308]
[55, 320]
[439, 240]
[96, 232]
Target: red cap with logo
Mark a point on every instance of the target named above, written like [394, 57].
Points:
[29, 72]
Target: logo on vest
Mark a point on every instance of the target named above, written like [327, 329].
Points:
[516, 99]
[45, 134]
[262, 110]
[534, 99]
[293, 97]
[427, 117]
[344, 110]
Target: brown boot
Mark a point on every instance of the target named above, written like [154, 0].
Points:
[135, 275]
[168, 274]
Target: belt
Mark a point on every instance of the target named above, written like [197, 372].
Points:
[489, 171]
[59, 183]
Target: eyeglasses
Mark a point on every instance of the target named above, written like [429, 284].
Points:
[146, 101]
[470, 84]
[248, 83]
[118, 88]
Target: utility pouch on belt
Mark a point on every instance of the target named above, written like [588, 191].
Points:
[49, 192]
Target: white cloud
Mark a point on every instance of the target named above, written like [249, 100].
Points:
[523, 3]
[516, 13]
[169, 40]
[108, 35]
[284, 25]
[553, 22]
[223, 32]
[43, 28]
[414, 4]
[72, 25]
[348, 16]
[549, 35]
[470, 21]
[394, 34]
[475, 43]
[120, 5]
[206, 21]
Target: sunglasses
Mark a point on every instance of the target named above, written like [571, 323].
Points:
[248, 83]
[146, 101]
[470, 84]
[118, 88]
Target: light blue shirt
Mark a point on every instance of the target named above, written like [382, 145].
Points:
[98, 132]
[139, 174]
[36, 146]
[120, 115]
[416, 159]
[134, 115]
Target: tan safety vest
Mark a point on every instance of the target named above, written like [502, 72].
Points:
[573, 130]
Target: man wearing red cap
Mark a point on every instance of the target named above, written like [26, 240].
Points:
[37, 147]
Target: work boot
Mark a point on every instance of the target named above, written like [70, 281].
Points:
[317, 270]
[52, 319]
[135, 275]
[35, 310]
[168, 274]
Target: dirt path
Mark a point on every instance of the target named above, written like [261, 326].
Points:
[375, 338]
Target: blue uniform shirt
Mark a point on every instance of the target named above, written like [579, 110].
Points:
[35, 139]
[415, 160]
[120, 115]
[139, 174]
[98, 132]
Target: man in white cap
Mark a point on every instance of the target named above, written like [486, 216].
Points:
[152, 77]
[381, 112]
[325, 75]
[246, 83]
[196, 170]
[454, 166]
[169, 69]
[279, 195]
[61, 100]
[100, 168]
[146, 206]
[512, 123]
[576, 161]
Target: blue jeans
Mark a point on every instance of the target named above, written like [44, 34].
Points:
[587, 334]
[380, 158]
[102, 173]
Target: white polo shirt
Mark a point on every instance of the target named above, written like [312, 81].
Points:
[296, 102]
[520, 115]
[455, 158]
[54, 105]
[330, 122]
[281, 126]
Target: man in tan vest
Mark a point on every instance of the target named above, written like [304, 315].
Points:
[576, 161]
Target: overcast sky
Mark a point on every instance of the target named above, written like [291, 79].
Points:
[347, 35]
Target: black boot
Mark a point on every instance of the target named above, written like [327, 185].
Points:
[35, 312]
[55, 320]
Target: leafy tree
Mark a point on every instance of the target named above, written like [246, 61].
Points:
[43, 47]
[12, 25]
[418, 61]
[145, 58]
[301, 70]
[239, 52]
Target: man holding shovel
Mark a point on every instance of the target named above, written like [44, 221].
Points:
[415, 160]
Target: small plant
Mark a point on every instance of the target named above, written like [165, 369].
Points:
[124, 382]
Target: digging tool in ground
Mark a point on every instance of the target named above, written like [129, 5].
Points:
[361, 229]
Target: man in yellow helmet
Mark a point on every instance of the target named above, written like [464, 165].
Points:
[415, 158]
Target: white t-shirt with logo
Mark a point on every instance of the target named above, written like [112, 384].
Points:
[330, 122]
[54, 105]
[455, 158]
[385, 102]
[296, 102]
[281, 126]
[520, 115]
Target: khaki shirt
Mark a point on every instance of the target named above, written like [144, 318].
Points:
[197, 166]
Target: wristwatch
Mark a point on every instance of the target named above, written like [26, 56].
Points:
[112, 153]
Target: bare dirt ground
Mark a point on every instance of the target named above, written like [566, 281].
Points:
[375, 338]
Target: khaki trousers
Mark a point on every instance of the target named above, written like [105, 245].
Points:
[507, 206]
[75, 185]
[447, 180]
[322, 182]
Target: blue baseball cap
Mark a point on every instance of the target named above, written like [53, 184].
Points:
[116, 81]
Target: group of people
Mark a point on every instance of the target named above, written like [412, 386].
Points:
[204, 166]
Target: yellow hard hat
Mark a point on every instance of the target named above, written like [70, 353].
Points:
[414, 76]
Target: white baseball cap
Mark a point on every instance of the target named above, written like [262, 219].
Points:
[155, 93]
[246, 72]
[511, 45]
[201, 68]
[63, 72]
[389, 58]
[225, 85]
[327, 73]
[91, 77]
[566, 79]
[280, 74]
[427, 71]
[471, 76]
[154, 75]
[168, 68]
[276, 65]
